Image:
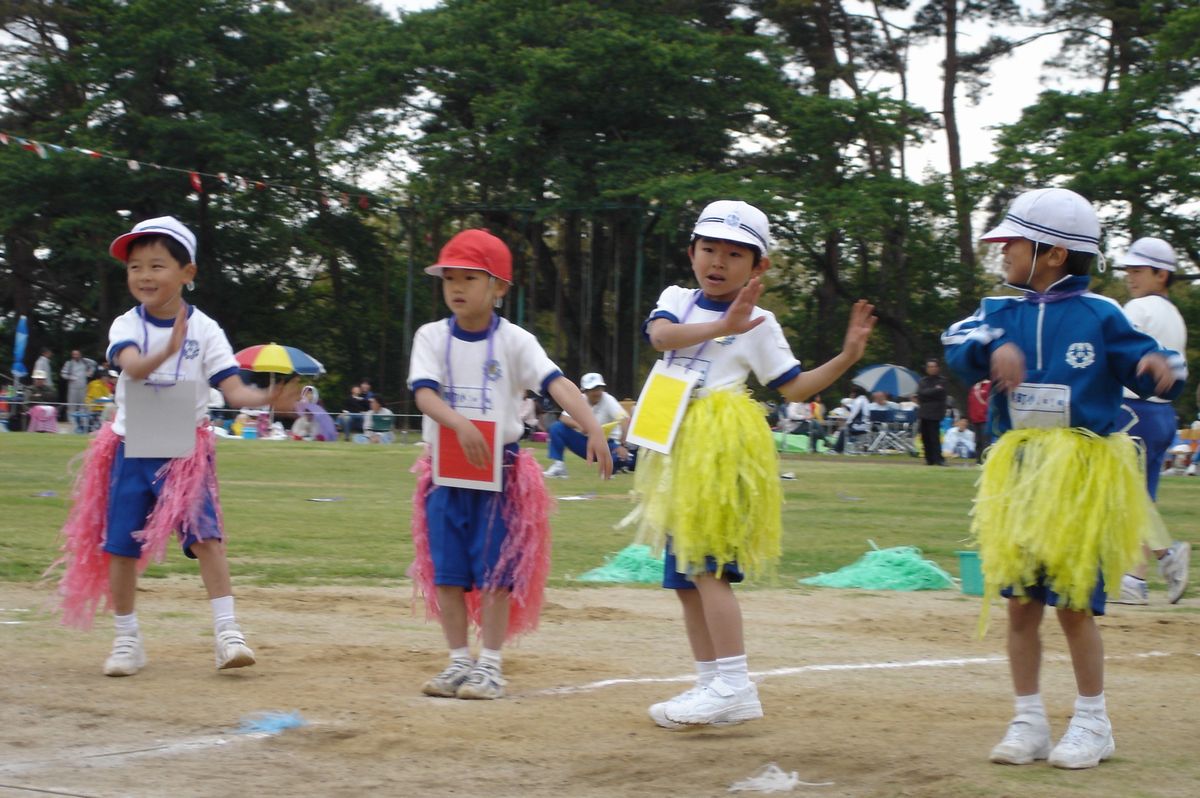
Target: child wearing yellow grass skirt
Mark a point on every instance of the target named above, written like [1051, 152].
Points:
[714, 502]
[1062, 507]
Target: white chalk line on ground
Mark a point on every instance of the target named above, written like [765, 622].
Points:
[758, 676]
[118, 756]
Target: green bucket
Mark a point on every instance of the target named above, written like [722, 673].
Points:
[970, 572]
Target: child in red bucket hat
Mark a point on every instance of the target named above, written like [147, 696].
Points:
[482, 556]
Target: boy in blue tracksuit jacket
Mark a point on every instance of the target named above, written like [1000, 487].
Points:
[1062, 501]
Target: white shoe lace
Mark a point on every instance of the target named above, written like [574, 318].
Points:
[125, 647]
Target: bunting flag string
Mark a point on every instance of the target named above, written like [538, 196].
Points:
[198, 181]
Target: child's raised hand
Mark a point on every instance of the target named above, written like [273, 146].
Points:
[738, 320]
[598, 452]
[1160, 369]
[1008, 367]
[473, 444]
[858, 329]
[179, 329]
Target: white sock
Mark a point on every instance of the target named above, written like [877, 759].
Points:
[1030, 705]
[222, 610]
[1091, 705]
[705, 672]
[490, 656]
[460, 654]
[734, 671]
[127, 625]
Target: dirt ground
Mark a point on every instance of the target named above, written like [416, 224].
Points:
[881, 694]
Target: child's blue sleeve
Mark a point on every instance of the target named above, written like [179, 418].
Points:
[1126, 346]
[969, 343]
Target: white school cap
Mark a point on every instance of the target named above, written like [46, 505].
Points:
[733, 220]
[1149, 251]
[1055, 216]
[591, 380]
[160, 225]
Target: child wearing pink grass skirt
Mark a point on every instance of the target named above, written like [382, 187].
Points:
[126, 504]
[483, 556]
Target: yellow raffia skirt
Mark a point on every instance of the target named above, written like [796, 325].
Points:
[717, 493]
[1066, 504]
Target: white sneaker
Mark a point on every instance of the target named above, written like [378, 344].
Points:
[231, 648]
[716, 704]
[1133, 591]
[483, 682]
[658, 712]
[446, 683]
[1174, 569]
[127, 657]
[557, 470]
[1027, 740]
[1087, 743]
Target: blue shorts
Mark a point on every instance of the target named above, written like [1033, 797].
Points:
[1045, 595]
[674, 580]
[1155, 425]
[133, 490]
[466, 533]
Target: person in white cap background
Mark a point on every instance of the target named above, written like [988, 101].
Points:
[1149, 266]
[714, 502]
[127, 506]
[566, 434]
[1062, 507]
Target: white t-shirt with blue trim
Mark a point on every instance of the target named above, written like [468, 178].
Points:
[727, 361]
[518, 364]
[206, 354]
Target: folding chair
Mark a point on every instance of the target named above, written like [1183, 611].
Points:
[892, 431]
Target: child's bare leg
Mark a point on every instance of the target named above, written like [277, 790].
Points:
[231, 648]
[122, 581]
[1025, 644]
[1087, 650]
[214, 567]
[722, 615]
[495, 618]
[696, 625]
[453, 604]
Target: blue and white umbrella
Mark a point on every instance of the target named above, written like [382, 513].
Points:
[889, 378]
[18, 365]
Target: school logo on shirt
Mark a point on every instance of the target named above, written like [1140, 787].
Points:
[491, 370]
[191, 349]
[1081, 355]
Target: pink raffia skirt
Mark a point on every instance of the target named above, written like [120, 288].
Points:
[83, 586]
[524, 555]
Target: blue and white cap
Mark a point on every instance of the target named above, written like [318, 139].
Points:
[733, 220]
[1149, 251]
[1055, 216]
[160, 225]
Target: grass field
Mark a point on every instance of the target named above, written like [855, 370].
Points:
[279, 537]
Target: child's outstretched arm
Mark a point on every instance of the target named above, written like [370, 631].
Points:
[858, 330]
[473, 444]
[567, 394]
[140, 365]
[666, 334]
[282, 397]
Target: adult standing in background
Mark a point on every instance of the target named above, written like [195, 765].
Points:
[75, 373]
[43, 365]
[1149, 268]
[931, 409]
[977, 413]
